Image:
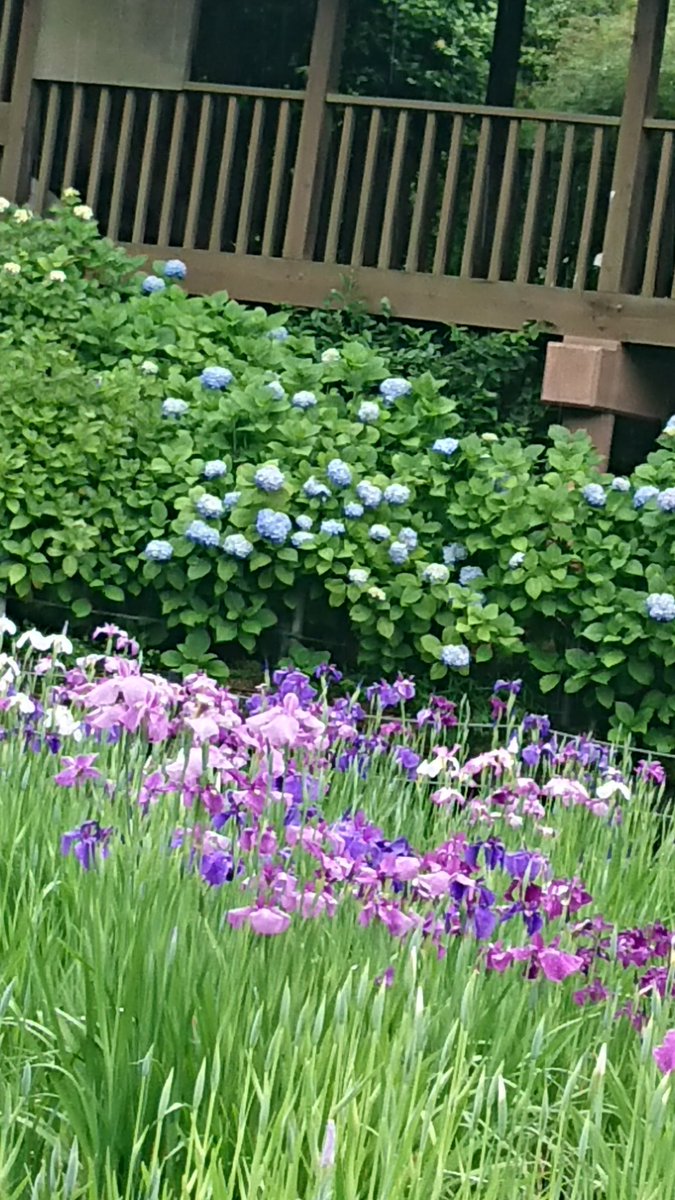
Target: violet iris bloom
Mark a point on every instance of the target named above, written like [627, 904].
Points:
[664, 1055]
[77, 770]
[85, 842]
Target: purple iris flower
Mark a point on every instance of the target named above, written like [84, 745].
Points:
[329, 672]
[77, 770]
[217, 868]
[85, 842]
[408, 760]
[513, 687]
[653, 772]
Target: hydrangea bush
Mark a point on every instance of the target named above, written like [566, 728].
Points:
[190, 458]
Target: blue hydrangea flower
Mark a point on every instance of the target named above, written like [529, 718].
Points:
[273, 526]
[455, 656]
[215, 379]
[620, 484]
[353, 510]
[314, 489]
[445, 446]
[275, 389]
[269, 478]
[152, 284]
[467, 575]
[173, 407]
[303, 400]
[435, 573]
[380, 533]
[409, 538]
[594, 495]
[302, 538]
[209, 507]
[368, 412]
[398, 553]
[397, 493]
[174, 268]
[332, 528]
[666, 500]
[369, 494]
[304, 523]
[358, 576]
[516, 560]
[454, 553]
[392, 389]
[280, 334]
[661, 606]
[230, 500]
[202, 534]
[158, 551]
[237, 546]
[644, 494]
[339, 474]
[215, 469]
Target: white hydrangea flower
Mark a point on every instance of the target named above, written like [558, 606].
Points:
[4, 204]
[57, 276]
[70, 193]
[83, 211]
[22, 215]
[376, 593]
[149, 368]
[331, 355]
[11, 268]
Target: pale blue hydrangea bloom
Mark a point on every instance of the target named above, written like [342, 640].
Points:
[174, 268]
[303, 400]
[215, 469]
[397, 493]
[392, 389]
[358, 576]
[152, 284]
[215, 379]
[353, 510]
[670, 425]
[380, 533]
[314, 489]
[369, 494]
[339, 474]
[398, 553]
[304, 522]
[209, 507]
[275, 389]
[273, 526]
[666, 500]
[644, 494]
[368, 412]
[237, 546]
[619, 484]
[660, 606]
[435, 573]
[173, 407]
[455, 656]
[269, 478]
[445, 446]
[454, 553]
[280, 334]
[230, 500]
[158, 551]
[332, 528]
[468, 575]
[409, 538]
[594, 495]
[202, 534]
[302, 538]
[516, 560]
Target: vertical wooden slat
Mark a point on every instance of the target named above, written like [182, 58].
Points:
[504, 206]
[658, 215]
[341, 177]
[194, 203]
[73, 143]
[476, 201]
[412, 258]
[250, 179]
[590, 205]
[269, 240]
[562, 199]
[531, 220]
[47, 150]
[121, 163]
[141, 210]
[448, 201]
[226, 155]
[391, 207]
[366, 187]
[4, 45]
[172, 171]
[22, 127]
[94, 181]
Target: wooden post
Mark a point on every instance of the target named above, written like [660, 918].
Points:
[15, 170]
[310, 161]
[620, 261]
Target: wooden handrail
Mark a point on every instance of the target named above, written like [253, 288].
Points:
[475, 110]
[234, 89]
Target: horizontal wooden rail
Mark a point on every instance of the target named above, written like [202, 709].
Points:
[475, 110]
[235, 89]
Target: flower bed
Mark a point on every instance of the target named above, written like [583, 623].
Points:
[321, 944]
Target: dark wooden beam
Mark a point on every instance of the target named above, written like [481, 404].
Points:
[505, 56]
[621, 259]
[20, 123]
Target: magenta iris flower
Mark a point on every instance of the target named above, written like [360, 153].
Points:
[77, 770]
[664, 1055]
[87, 842]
